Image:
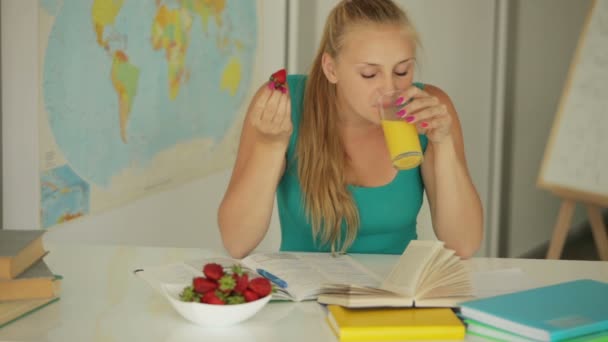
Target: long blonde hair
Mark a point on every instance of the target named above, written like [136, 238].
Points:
[321, 156]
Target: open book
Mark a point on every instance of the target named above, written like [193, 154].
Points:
[426, 274]
[297, 276]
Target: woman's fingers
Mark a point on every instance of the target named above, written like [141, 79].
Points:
[271, 106]
[260, 105]
[427, 114]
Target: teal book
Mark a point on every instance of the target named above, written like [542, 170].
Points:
[550, 313]
[498, 335]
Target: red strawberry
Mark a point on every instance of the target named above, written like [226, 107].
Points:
[211, 298]
[261, 286]
[241, 282]
[203, 285]
[279, 77]
[213, 271]
[250, 296]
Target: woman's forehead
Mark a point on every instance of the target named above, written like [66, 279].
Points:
[377, 45]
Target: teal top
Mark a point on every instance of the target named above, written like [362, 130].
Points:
[387, 213]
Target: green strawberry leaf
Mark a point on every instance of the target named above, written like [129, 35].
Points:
[237, 269]
[189, 295]
[235, 299]
[227, 283]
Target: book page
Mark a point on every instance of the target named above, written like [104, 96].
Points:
[435, 268]
[451, 271]
[306, 273]
[342, 269]
[405, 275]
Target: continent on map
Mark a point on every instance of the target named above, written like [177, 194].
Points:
[125, 77]
[104, 13]
[64, 196]
[231, 76]
[171, 31]
[205, 9]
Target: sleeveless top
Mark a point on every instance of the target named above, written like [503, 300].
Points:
[387, 213]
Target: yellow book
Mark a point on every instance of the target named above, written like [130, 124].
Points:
[385, 324]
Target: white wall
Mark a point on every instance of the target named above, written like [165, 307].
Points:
[185, 216]
[458, 56]
[544, 35]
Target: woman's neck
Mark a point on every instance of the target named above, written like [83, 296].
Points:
[354, 127]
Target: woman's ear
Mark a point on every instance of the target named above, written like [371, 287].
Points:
[329, 68]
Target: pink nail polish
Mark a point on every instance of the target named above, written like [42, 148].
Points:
[424, 125]
[271, 85]
[399, 101]
[409, 119]
[401, 113]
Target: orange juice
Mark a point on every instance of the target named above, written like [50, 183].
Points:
[403, 143]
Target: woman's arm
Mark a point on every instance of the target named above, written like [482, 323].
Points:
[456, 209]
[245, 211]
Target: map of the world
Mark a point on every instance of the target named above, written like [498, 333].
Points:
[138, 96]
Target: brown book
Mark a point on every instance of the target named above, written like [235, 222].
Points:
[17, 309]
[19, 249]
[36, 282]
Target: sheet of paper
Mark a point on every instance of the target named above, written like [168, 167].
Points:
[502, 281]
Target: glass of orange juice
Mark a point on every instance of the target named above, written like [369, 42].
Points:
[401, 137]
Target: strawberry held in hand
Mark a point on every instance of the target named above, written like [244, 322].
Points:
[278, 81]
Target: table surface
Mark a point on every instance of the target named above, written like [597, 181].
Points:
[101, 299]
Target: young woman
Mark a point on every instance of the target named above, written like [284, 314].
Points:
[318, 147]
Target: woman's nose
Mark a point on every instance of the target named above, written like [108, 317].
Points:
[387, 85]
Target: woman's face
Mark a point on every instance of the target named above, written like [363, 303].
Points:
[374, 59]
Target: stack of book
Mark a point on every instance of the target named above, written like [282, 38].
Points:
[570, 311]
[26, 282]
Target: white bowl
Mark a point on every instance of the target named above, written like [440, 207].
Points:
[210, 314]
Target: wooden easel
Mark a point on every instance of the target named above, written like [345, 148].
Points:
[578, 185]
[562, 226]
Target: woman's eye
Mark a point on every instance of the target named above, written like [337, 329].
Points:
[368, 76]
[401, 73]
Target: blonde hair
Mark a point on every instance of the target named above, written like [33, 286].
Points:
[320, 152]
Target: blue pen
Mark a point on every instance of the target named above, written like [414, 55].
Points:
[280, 282]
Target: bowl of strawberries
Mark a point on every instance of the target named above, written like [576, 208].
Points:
[225, 295]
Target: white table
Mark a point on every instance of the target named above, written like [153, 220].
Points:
[102, 300]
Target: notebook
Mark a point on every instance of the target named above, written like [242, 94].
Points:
[548, 313]
[494, 334]
[389, 324]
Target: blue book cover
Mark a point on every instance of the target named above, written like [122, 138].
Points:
[550, 313]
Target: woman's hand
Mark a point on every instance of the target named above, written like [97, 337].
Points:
[271, 115]
[430, 116]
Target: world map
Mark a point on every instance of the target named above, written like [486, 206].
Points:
[137, 96]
